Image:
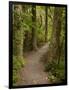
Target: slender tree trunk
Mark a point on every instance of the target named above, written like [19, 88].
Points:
[17, 31]
[34, 41]
[46, 20]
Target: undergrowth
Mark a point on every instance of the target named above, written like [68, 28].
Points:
[56, 71]
[18, 63]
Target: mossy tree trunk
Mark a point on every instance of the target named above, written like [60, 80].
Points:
[17, 31]
[46, 21]
[55, 39]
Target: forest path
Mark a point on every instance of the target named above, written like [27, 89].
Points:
[33, 72]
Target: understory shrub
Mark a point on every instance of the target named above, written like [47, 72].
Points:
[18, 63]
[56, 71]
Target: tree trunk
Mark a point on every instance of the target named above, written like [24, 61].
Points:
[46, 20]
[34, 42]
[17, 31]
[55, 40]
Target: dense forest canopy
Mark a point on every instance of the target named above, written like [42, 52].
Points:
[35, 26]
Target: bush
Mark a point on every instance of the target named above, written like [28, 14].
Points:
[57, 71]
[50, 65]
[18, 63]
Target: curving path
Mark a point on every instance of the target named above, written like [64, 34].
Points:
[33, 72]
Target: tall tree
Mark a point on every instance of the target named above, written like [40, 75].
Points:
[53, 53]
[34, 41]
[46, 21]
[55, 40]
[17, 31]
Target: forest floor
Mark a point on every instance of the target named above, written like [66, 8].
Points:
[33, 72]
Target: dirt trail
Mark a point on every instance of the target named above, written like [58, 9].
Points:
[33, 72]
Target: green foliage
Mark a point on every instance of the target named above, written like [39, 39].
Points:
[17, 30]
[50, 65]
[15, 77]
[17, 20]
[40, 36]
[56, 71]
[51, 77]
[27, 31]
[18, 63]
